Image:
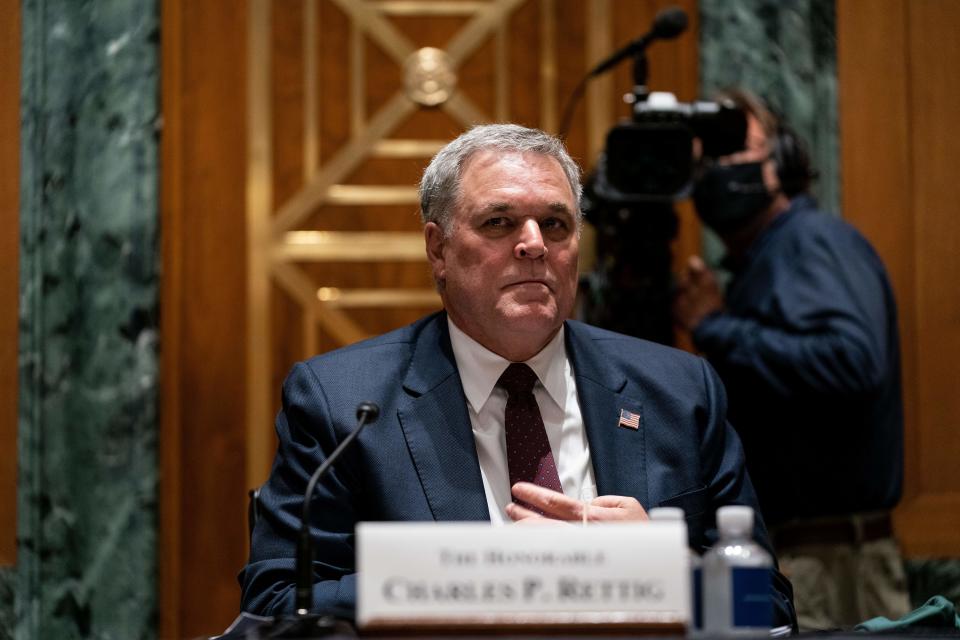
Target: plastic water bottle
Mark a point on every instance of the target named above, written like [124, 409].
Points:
[736, 578]
[696, 584]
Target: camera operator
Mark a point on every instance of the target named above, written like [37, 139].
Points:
[806, 342]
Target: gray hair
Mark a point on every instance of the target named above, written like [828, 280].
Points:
[440, 185]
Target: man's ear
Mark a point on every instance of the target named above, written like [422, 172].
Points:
[771, 179]
[434, 239]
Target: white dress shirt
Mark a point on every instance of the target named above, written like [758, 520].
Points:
[556, 395]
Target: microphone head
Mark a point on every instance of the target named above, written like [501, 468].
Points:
[369, 409]
[669, 23]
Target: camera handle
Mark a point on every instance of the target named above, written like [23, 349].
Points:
[640, 71]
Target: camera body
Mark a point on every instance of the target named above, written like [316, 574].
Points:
[652, 157]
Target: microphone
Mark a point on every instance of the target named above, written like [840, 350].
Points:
[303, 624]
[367, 412]
[668, 24]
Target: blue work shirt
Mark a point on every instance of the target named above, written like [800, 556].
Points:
[808, 349]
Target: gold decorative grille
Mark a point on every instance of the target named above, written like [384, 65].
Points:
[301, 245]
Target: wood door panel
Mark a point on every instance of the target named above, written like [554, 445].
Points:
[386, 218]
[388, 275]
[287, 99]
[935, 103]
[203, 323]
[898, 106]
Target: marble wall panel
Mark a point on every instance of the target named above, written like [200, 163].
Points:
[88, 345]
[8, 579]
[785, 51]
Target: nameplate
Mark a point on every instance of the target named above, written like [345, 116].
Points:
[460, 575]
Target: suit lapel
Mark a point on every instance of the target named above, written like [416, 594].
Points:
[618, 453]
[437, 429]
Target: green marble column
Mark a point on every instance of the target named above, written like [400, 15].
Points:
[87, 522]
[784, 51]
[8, 578]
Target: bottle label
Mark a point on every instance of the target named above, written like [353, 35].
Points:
[751, 597]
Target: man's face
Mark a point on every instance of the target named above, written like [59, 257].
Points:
[507, 267]
[738, 193]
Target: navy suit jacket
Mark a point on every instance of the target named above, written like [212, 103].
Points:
[418, 461]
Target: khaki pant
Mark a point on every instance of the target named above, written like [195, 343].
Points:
[840, 585]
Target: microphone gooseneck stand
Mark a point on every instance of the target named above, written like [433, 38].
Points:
[304, 623]
[667, 24]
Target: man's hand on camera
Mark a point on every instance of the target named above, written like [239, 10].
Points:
[698, 295]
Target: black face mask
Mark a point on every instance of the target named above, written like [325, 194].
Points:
[728, 197]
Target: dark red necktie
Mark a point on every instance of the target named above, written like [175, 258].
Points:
[529, 457]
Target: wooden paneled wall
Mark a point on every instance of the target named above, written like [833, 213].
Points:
[900, 146]
[899, 101]
[235, 90]
[9, 280]
[203, 152]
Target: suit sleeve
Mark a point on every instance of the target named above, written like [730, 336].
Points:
[307, 433]
[727, 480]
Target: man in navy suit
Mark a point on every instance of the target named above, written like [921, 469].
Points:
[629, 424]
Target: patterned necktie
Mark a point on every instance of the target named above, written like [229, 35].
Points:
[529, 457]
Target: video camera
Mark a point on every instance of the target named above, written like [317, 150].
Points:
[652, 157]
[648, 163]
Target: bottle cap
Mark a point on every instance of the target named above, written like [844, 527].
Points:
[666, 513]
[735, 520]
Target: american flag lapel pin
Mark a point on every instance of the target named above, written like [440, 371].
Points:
[629, 419]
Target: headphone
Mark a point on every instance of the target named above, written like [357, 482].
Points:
[792, 159]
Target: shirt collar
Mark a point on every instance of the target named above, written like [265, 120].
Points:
[480, 368]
